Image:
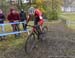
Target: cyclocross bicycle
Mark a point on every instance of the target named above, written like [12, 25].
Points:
[34, 36]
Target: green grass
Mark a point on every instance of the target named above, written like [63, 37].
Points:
[71, 17]
[11, 40]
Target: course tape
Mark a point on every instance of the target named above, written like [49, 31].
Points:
[11, 23]
[10, 33]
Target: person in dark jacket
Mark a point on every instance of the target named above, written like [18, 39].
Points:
[2, 18]
[23, 18]
[13, 17]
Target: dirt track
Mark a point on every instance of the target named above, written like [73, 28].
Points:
[59, 43]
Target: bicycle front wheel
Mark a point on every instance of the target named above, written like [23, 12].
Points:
[30, 43]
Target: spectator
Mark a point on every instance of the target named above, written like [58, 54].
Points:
[13, 17]
[2, 18]
[23, 18]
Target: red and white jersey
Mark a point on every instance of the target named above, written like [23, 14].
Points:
[37, 12]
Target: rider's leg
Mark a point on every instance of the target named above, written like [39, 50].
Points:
[41, 28]
[40, 25]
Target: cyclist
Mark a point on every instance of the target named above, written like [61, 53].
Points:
[38, 21]
[38, 18]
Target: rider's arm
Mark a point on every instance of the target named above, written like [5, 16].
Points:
[40, 17]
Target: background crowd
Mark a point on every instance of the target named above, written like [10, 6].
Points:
[12, 17]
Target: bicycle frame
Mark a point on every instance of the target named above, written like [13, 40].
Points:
[34, 30]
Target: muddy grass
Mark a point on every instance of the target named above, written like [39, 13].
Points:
[59, 43]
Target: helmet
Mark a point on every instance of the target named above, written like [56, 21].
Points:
[38, 12]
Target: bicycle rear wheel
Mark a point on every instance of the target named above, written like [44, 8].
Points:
[42, 36]
[30, 43]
